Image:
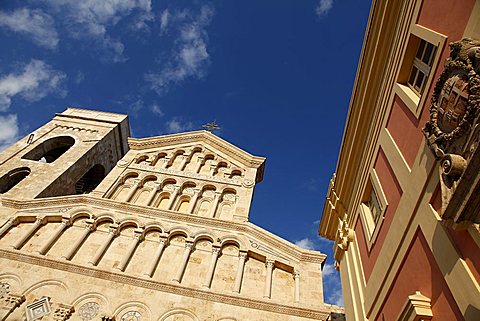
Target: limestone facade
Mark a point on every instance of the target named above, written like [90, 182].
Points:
[95, 226]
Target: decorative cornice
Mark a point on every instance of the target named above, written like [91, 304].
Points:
[190, 137]
[250, 229]
[165, 287]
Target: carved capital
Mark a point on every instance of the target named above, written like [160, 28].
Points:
[269, 263]
[242, 255]
[12, 301]
[66, 221]
[138, 234]
[62, 312]
[296, 274]
[40, 220]
[163, 240]
[113, 229]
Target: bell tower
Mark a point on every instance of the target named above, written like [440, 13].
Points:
[69, 155]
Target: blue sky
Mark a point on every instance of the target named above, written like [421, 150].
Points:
[275, 75]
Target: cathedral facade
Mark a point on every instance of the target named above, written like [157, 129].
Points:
[99, 226]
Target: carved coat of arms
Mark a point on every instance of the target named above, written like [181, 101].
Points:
[453, 129]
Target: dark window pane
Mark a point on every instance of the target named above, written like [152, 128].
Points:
[420, 77]
[421, 46]
[428, 54]
[413, 74]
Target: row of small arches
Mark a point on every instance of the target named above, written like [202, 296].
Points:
[194, 161]
[169, 194]
[164, 254]
[146, 228]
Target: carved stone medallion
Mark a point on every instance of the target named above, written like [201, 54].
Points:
[456, 98]
[89, 310]
[131, 316]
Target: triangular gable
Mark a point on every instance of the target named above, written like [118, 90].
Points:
[203, 138]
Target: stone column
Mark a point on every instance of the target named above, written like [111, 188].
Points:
[296, 277]
[173, 196]
[268, 279]
[156, 257]
[132, 191]
[76, 246]
[166, 160]
[8, 224]
[137, 237]
[111, 191]
[56, 234]
[193, 201]
[62, 312]
[211, 267]
[21, 241]
[199, 164]
[183, 163]
[152, 194]
[242, 256]
[9, 303]
[186, 256]
[216, 200]
[213, 167]
[112, 232]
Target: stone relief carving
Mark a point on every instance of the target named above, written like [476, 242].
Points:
[453, 129]
[38, 309]
[131, 316]
[4, 289]
[89, 310]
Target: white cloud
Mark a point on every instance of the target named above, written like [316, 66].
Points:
[36, 81]
[8, 130]
[92, 18]
[336, 296]
[79, 77]
[135, 108]
[33, 23]
[323, 7]
[156, 110]
[175, 125]
[190, 57]
[164, 19]
[332, 285]
[328, 270]
[306, 244]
